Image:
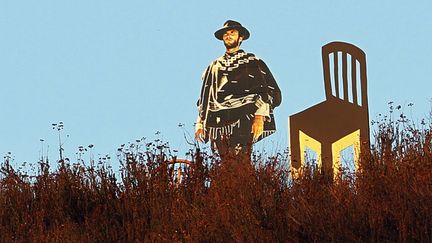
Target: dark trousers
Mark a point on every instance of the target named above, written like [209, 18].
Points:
[238, 143]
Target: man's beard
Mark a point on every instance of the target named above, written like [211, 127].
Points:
[234, 44]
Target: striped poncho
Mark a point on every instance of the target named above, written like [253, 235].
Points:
[236, 87]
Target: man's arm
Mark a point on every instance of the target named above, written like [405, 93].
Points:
[199, 130]
[199, 125]
[260, 115]
[263, 108]
[257, 127]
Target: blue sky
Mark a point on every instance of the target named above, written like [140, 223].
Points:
[116, 71]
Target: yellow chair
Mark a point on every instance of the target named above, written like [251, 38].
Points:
[342, 120]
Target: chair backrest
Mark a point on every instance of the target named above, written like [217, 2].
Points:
[344, 67]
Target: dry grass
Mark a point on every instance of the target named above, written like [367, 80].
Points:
[388, 200]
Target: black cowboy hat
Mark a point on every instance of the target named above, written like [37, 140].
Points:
[229, 25]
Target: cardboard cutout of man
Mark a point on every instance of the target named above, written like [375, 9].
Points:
[238, 95]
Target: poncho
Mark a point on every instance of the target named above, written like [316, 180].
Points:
[235, 87]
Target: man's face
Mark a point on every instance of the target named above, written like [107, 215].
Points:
[231, 38]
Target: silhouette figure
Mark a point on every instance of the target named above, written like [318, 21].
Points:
[238, 97]
[342, 120]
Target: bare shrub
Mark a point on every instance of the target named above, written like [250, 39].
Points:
[236, 199]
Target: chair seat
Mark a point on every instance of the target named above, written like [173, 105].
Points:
[330, 120]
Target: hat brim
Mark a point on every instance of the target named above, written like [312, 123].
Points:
[242, 31]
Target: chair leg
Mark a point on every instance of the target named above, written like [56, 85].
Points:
[364, 143]
[294, 146]
[327, 160]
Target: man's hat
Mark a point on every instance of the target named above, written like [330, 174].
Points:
[229, 25]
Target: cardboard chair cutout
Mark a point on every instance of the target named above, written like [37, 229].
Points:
[342, 119]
